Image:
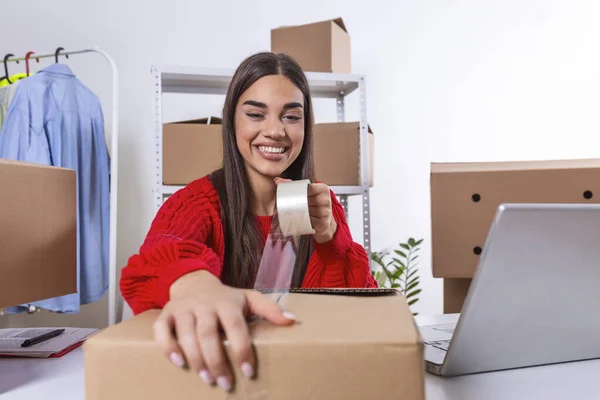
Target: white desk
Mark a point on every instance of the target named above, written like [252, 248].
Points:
[62, 378]
[577, 380]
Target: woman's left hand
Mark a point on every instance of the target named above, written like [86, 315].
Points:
[320, 211]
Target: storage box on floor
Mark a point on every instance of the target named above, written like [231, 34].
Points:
[193, 149]
[38, 232]
[465, 197]
[318, 47]
[345, 345]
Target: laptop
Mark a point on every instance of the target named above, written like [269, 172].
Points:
[535, 296]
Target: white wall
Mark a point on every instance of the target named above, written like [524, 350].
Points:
[446, 81]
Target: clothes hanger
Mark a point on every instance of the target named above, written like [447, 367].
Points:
[56, 54]
[7, 76]
[27, 61]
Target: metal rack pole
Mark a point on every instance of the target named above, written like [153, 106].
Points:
[341, 117]
[364, 166]
[157, 117]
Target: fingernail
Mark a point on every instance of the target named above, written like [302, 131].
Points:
[247, 370]
[289, 315]
[177, 360]
[206, 377]
[224, 383]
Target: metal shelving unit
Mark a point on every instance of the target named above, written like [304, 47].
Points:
[181, 79]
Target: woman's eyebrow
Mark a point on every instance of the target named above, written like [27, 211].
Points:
[260, 104]
[292, 105]
[255, 103]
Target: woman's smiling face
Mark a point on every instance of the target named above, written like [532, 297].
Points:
[269, 125]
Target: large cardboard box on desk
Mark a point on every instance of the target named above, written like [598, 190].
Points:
[38, 232]
[346, 345]
[191, 150]
[318, 47]
[337, 153]
[465, 198]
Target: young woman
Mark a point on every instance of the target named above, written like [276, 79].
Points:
[202, 252]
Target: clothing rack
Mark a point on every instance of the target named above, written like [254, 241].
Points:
[115, 308]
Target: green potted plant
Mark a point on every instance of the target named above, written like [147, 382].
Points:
[400, 272]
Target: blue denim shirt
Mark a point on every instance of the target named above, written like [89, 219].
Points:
[54, 119]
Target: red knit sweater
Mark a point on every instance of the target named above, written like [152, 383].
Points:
[187, 235]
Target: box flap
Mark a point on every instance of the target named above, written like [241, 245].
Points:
[7, 161]
[440, 168]
[337, 291]
[335, 126]
[201, 121]
[338, 21]
[315, 322]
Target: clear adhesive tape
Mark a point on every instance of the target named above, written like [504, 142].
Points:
[292, 208]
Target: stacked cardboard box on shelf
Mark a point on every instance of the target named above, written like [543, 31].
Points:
[465, 197]
[193, 149]
[346, 344]
[337, 153]
[38, 232]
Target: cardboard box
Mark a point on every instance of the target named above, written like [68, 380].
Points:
[38, 232]
[455, 293]
[337, 153]
[191, 150]
[465, 198]
[318, 47]
[347, 345]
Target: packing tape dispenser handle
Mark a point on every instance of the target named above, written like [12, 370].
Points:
[292, 208]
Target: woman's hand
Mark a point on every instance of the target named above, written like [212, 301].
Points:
[187, 329]
[320, 211]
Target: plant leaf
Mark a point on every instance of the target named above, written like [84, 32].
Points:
[397, 261]
[395, 285]
[400, 253]
[411, 242]
[418, 242]
[413, 301]
[412, 286]
[414, 258]
[413, 281]
[404, 246]
[413, 293]
[412, 273]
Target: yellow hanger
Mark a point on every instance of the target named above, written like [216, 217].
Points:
[13, 78]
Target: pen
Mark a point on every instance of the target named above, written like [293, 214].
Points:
[42, 338]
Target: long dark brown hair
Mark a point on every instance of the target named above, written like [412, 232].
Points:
[243, 246]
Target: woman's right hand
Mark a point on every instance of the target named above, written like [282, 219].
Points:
[187, 329]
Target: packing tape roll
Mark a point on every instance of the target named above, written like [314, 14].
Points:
[292, 208]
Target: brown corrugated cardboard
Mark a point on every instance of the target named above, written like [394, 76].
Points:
[337, 153]
[455, 293]
[38, 232]
[318, 47]
[344, 346]
[465, 197]
[191, 150]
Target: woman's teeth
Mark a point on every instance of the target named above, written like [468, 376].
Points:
[274, 150]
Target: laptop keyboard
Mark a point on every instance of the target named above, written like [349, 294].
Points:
[440, 344]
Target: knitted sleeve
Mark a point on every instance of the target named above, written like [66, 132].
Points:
[178, 242]
[340, 262]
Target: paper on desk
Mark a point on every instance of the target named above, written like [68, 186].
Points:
[11, 340]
